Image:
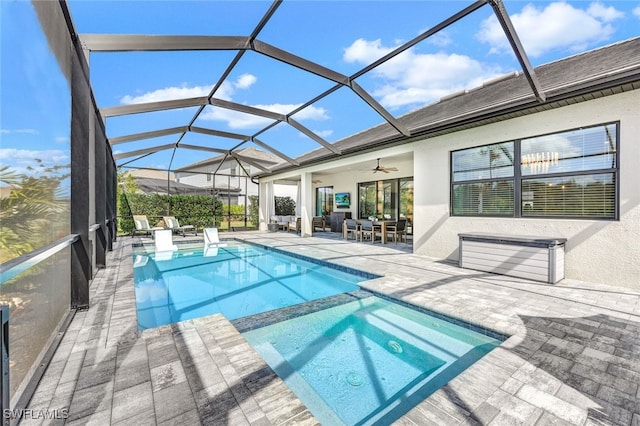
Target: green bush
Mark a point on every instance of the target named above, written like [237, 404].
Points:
[198, 210]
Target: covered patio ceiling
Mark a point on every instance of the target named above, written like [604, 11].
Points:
[210, 79]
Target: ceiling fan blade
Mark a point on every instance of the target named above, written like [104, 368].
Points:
[384, 169]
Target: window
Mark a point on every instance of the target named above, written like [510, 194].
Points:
[391, 198]
[568, 174]
[483, 181]
[324, 201]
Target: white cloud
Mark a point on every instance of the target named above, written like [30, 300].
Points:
[61, 139]
[636, 12]
[323, 133]
[558, 25]
[50, 155]
[363, 51]
[245, 81]
[166, 94]
[606, 14]
[418, 78]
[238, 120]
[29, 162]
[234, 119]
[225, 91]
[440, 39]
[20, 131]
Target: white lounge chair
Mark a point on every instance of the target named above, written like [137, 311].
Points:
[142, 225]
[211, 237]
[212, 241]
[170, 222]
[164, 241]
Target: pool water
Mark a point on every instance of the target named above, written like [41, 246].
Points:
[236, 280]
[368, 361]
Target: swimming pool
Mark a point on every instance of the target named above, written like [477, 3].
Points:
[237, 280]
[368, 361]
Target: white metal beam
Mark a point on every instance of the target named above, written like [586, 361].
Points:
[144, 151]
[275, 151]
[203, 148]
[313, 136]
[516, 45]
[147, 135]
[379, 108]
[246, 109]
[220, 133]
[296, 61]
[250, 161]
[152, 106]
[148, 43]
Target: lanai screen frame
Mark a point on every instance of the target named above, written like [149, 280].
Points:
[101, 43]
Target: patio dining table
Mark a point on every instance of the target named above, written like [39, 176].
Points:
[382, 224]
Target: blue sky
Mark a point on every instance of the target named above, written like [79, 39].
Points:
[342, 35]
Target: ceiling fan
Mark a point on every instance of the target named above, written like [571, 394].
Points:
[383, 169]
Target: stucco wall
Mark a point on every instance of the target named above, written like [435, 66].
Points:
[348, 181]
[597, 251]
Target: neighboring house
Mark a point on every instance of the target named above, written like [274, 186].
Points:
[160, 186]
[161, 182]
[231, 181]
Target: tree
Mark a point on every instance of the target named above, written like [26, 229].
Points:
[36, 212]
[285, 206]
[254, 210]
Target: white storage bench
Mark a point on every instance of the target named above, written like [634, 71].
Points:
[534, 258]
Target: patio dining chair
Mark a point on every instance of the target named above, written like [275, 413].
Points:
[351, 228]
[170, 222]
[399, 229]
[367, 228]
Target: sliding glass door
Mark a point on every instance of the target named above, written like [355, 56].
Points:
[324, 201]
[387, 199]
[406, 202]
[391, 199]
[367, 199]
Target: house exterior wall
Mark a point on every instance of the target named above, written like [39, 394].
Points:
[596, 250]
[348, 181]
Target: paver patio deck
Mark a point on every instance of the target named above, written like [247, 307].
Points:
[573, 357]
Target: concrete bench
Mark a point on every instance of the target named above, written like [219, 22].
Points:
[534, 258]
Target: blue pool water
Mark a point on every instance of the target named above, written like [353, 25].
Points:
[368, 361]
[236, 280]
